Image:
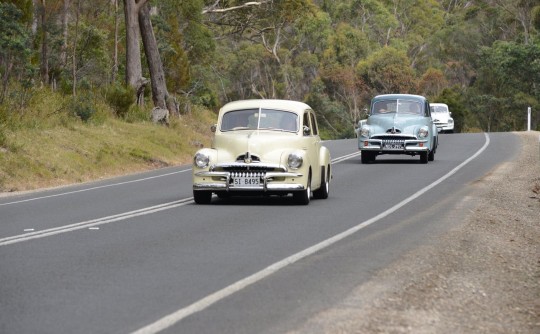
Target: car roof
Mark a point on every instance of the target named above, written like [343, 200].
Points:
[400, 96]
[438, 104]
[290, 105]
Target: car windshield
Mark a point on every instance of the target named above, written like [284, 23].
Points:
[440, 109]
[398, 106]
[259, 119]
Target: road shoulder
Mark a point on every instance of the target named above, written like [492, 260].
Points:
[482, 276]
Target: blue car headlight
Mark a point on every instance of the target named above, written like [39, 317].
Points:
[423, 132]
[364, 131]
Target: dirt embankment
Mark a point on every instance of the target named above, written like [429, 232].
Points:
[481, 277]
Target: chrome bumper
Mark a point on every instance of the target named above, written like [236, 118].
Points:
[409, 146]
[266, 185]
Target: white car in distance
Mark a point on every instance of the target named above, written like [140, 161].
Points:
[442, 117]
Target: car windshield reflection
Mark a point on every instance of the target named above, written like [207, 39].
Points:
[398, 106]
[259, 119]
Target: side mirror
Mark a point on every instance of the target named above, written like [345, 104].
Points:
[306, 130]
[213, 128]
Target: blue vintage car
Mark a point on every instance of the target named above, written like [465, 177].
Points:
[398, 124]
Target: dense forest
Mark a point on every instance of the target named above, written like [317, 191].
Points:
[124, 58]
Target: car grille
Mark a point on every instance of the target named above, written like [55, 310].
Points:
[393, 142]
[400, 138]
[248, 174]
[239, 168]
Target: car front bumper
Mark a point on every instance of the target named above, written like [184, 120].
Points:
[269, 182]
[445, 126]
[402, 146]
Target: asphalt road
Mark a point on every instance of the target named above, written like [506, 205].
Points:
[135, 254]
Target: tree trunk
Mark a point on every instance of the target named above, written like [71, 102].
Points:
[160, 95]
[44, 45]
[134, 76]
[74, 54]
[115, 55]
[65, 19]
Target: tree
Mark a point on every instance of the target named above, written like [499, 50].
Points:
[134, 77]
[160, 95]
[269, 23]
[388, 71]
[14, 45]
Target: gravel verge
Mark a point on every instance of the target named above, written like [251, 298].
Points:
[480, 277]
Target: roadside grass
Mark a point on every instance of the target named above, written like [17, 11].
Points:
[50, 147]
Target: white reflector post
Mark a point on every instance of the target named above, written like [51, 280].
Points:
[529, 119]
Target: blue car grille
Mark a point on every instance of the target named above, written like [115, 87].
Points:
[390, 138]
[393, 142]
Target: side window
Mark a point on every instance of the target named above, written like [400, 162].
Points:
[427, 108]
[306, 120]
[314, 129]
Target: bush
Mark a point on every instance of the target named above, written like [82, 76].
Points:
[120, 98]
[83, 108]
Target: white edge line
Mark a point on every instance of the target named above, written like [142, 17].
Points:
[93, 222]
[94, 188]
[207, 301]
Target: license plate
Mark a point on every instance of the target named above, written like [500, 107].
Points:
[393, 146]
[246, 182]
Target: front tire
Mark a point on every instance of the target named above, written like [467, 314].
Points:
[202, 196]
[322, 192]
[367, 157]
[303, 197]
[424, 157]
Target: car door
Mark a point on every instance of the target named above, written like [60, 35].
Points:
[313, 142]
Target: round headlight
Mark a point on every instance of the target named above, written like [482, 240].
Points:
[423, 132]
[201, 160]
[364, 131]
[294, 161]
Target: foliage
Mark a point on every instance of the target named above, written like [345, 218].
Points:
[120, 98]
[480, 56]
[507, 82]
[14, 46]
[388, 71]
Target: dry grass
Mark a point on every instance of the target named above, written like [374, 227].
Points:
[35, 157]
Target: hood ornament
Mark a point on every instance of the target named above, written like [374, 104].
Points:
[247, 158]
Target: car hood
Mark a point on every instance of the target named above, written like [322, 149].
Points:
[440, 117]
[400, 123]
[267, 145]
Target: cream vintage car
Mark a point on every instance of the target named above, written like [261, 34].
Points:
[263, 147]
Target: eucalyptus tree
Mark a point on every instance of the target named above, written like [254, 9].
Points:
[134, 73]
[268, 23]
[388, 71]
[14, 45]
[160, 94]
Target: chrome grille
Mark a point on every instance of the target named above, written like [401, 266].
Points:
[393, 137]
[248, 174]
[393, 142]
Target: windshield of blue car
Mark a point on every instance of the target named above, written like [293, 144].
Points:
[397, 106]
[259, 119]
